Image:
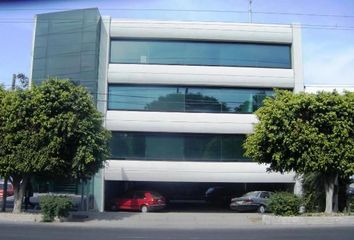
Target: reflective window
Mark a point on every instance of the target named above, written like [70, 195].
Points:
[177, 147]
[201, 53]
[185, 99]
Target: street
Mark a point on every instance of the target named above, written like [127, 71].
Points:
[60, 232]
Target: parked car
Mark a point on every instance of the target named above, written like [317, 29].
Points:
[251, 201]
[144, 201]
[10, 190]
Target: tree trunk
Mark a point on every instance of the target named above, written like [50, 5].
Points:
[329, 189]
[19, 190]
[82, 208]
[298, 186]
[335, 194]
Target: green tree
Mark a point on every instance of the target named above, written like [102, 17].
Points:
[51, 129]
[23, 84]
[24, 81]
[306, 133]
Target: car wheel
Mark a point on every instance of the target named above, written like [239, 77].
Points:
[261, 209]
[144, 209]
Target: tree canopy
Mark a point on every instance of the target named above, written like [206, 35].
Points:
[306, 133]
[53, 128]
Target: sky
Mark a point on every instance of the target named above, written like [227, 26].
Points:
[327, 27]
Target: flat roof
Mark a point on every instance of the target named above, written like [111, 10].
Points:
[328, 88]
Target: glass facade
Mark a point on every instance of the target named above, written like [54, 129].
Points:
[67, 46]
[185, 98]
[177, 147]
[169, 52]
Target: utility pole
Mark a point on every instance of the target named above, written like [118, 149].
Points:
[250, 11]
[13, 86]
[4, 196]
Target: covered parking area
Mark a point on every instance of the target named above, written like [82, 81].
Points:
[191, 196]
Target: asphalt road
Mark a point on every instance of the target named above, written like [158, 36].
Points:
[56, 232]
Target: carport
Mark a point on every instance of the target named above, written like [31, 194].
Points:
[190, 196]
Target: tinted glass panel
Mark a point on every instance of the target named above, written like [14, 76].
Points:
[185, 99]
[200, 53]
[67, 46]
[177, 147]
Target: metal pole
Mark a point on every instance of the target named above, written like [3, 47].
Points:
[13, 86]
[250, 11]
[3, 207]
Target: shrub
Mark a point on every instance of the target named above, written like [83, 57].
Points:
[284, 204]
[54, 206]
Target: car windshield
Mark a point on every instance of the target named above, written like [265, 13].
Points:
[250, 194]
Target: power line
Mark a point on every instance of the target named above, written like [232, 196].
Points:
[271, 25]
[187, 10]
[305, 14]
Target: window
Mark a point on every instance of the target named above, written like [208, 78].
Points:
[185, 98]
[265, 195]
[235, 54]
[177, 147]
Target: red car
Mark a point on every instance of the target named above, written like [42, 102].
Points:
[10, 190]
[143, 201]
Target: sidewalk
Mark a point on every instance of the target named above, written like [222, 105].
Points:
[308, 220]
[175, 220]
[180, 220]
[148, 220]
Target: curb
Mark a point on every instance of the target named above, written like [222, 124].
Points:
[308, 220]
[21, 217]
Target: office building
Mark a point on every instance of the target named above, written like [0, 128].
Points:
[179, 97]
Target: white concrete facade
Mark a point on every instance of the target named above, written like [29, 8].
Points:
[133, 170]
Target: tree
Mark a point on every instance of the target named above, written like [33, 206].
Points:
[24, 81]
[306, 133]
[52, 129]
[4, 196]
[24, 84]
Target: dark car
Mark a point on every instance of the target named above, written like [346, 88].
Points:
[219, 195]
[144, 201]
[251, 201]
[215, 194]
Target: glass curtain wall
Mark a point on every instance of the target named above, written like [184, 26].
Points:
[178, 147]
[185, 99]
[235, 54]
[67, 46]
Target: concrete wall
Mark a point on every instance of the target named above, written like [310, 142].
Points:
[132, 170]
